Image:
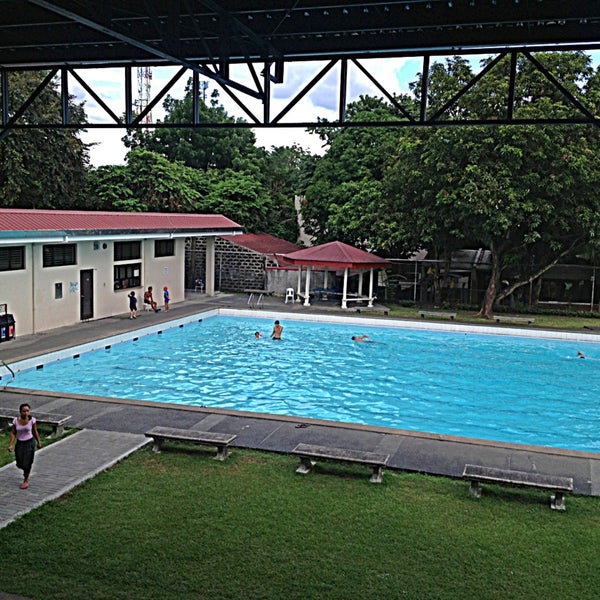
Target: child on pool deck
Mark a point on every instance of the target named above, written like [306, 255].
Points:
[166, 298]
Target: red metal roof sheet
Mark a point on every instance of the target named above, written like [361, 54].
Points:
[91, 221]
[263, 243]
[337, 255]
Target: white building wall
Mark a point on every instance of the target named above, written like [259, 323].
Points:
[31, 294]
[16, 291]
[164, 270]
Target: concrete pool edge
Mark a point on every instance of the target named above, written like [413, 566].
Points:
[339, 425]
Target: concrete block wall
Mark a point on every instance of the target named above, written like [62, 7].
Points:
[238, 268]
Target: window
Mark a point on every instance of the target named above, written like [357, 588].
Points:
[12, 258]
[127, 276]
[128, 250]
[59, 255]
[164, 248]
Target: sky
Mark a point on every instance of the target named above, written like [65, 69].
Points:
[394, 74]
[322, 101]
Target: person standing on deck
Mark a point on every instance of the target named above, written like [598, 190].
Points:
[132, 306]
[166, 298]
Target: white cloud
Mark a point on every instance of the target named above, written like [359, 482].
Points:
[322, 100]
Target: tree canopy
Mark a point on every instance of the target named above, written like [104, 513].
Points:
[526, 193]
[220, 168]
[42, 168]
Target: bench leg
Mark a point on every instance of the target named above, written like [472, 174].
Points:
[474, 489]
[557, 502]
[377, 475]
[305, 465]
[158, 444]
[222, 452]
[58, 430]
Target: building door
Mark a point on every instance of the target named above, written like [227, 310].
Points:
[86, 286]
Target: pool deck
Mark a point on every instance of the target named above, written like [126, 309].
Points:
[118, 426]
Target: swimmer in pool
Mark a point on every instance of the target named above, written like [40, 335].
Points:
[580, 354]
[362, 338]
[277, 331]
[257, 335]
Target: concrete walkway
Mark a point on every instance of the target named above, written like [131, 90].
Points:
[111, 428]
[60, 467]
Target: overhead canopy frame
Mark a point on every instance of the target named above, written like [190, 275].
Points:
[204, 38]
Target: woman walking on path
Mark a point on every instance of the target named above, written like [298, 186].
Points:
[24, 430]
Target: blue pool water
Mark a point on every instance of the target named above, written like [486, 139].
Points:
[514, 389]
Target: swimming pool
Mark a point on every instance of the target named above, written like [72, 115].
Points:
[514, 389]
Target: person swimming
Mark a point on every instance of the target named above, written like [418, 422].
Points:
[361, 338]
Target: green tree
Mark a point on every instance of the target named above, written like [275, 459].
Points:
[257, 187]
[286, 173]
[149, 182]
[526, 193]
[42, 168]
[201, 148]
[242, 198]
[345, 190]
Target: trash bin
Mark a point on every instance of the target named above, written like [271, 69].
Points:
[7, 327]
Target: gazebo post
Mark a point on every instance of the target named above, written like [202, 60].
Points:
[299, 286]
[307, 289]
[370, 305]
[345, 288]
[326, 278]
[360, 282]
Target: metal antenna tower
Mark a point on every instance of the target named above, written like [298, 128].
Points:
[144, 81]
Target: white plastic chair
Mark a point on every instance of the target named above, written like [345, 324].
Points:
[289, 295]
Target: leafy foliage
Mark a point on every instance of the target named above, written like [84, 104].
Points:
[219, 170]
[149, 182]
[526, 193]
[42, 168]
[345, 191]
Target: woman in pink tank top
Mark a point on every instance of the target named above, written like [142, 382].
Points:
[24, 431]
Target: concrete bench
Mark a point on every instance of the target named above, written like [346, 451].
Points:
[559, 485]
[57, 422]
[433, 313]
[308, 452]
[385, 311]
[507, 319]
[206, 438]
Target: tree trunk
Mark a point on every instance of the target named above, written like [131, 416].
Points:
[492, 289]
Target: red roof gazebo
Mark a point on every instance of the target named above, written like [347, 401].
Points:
[337, 256]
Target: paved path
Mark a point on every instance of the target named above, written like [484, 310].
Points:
[60, 467]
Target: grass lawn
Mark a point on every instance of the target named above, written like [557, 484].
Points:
[180, 525]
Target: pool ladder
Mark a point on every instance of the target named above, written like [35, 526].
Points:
[12, 373]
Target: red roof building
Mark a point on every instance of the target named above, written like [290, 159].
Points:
[61, 267]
